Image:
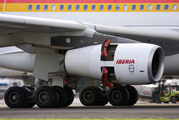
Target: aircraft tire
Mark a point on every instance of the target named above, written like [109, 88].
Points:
[15, 97]
[173, 99]
[45, 97]
[89, 96]
[102, 102]
[61, 96]
[133, 95]
[70, 96]
[118, 96]
[29, 102]
[103, 99]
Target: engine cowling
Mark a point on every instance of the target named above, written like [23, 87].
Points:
[131, 63]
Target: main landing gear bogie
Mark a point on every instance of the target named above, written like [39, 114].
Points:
[43, 97]
[117, 96]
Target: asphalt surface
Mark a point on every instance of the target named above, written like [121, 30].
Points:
[76, 110]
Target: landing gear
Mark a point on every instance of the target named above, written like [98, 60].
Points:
[118, 96]
[103, 98]
[56, 96]
[93, 96]
[133, 96]
[89, 96]
[19, 97]
[29, 102]
[70, 96]
[62, 96]
[15, 97]
[102, 102]
[45, 97]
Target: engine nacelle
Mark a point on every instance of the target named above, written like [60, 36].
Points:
[131, 63]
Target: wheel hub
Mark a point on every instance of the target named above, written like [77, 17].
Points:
[116, 96]
[43, 97]
[88, 96]
[14, 97]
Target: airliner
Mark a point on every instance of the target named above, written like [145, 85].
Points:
[118, 42]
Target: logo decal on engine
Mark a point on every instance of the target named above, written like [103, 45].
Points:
[131, 68]
[125, 61]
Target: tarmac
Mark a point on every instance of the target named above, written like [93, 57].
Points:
[77, 110]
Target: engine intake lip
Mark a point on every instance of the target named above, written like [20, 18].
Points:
[156, 64]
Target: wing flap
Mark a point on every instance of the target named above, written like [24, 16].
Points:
[167, 39]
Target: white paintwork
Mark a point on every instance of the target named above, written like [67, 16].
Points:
[172, 65]
[84, 62]
[108, 64]
[57, 80]
[142, 54]
[44, 64]
[9, 50]
[18, 61]
[173, 36]
[112, 18]
[41, 22]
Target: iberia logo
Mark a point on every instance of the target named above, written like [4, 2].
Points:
[125, 61]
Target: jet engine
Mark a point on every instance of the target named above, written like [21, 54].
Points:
[126, 63]
[131, 63]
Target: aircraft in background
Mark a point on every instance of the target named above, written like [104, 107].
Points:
[118, 42]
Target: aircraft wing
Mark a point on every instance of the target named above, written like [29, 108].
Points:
[167, 39]
[12, 23]
[9, 24]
